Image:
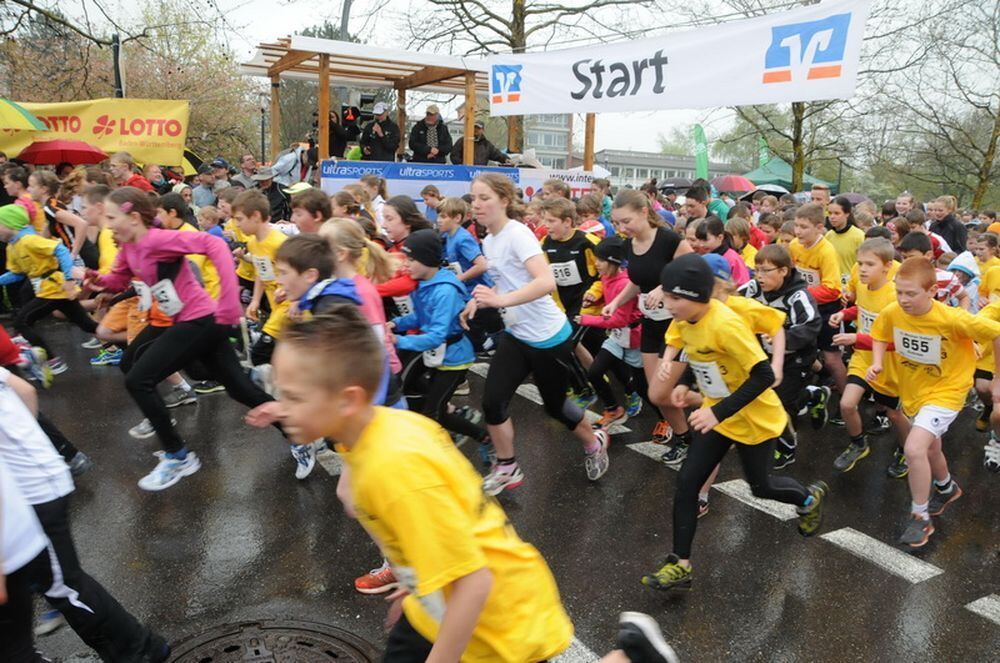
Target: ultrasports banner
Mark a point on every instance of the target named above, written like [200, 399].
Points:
[800, 55]
[409, 178]
[151, 130]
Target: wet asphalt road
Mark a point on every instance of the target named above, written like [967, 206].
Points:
[242, 539]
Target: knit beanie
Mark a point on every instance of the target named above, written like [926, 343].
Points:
[424, 246]
[14, 217]
[689, 277]
[611, 249]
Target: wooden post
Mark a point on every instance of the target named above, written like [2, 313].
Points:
[469, 141]
[401, 120]
[588, 142]
[275, 117]
[324, 106]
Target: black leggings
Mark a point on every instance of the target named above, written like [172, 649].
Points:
[513, 362]
[630, 377]
[37, 308]
[16, 637]
[707, 451]
[158, 352]
[435, 404]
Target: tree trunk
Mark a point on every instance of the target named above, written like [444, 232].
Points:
[515, 123]
[983, 176]
[798, 147]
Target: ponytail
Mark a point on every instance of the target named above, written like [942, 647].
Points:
[364, 255]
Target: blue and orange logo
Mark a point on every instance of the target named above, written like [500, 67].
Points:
[505, 83]
[807, 51]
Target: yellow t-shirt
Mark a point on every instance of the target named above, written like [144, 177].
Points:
[107, 250]
[721, 349]
[749, 255]
[854, 281]
[870, 303]
[423, 504]
[986, 363]
[989, 264]
[846, 245]
[989, 287]
[760, 318]
[818, 264]
[209, 274]
[244, 269]
[934, 357]
[262, 254]
[34, 256]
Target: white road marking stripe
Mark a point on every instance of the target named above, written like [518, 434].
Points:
[988, 607]
[740, 490]
[331, 462]
[881, 554]
[577, 653]
[651, 450]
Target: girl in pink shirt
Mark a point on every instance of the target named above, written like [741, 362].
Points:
[711, 232]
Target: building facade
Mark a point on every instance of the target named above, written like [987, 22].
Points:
[551, 136]
[632, 169]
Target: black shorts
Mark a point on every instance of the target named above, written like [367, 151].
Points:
[891, 402]
[980, 374]
[405, 645]
[653, 339]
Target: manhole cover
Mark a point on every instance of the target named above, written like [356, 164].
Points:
[274, 641]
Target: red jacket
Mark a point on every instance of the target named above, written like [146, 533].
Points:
[401, 284]
[9, 352]
[139, 182]
[624, 315]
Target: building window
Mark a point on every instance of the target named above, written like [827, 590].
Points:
[615, 171]
[559, 164]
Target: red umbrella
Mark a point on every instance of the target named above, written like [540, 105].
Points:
[733, 184]
[54, 152]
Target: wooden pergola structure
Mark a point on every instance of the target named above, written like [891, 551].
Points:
[360, 65]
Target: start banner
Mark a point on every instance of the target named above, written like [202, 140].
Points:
[151, 130]
[409, 178]
[804, 54]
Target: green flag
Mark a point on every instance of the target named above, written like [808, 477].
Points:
[763, 154]
[700, 152]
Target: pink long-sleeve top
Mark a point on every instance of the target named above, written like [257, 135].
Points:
[624, 315]
[139, 260]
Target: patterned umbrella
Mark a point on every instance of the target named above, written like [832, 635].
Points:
[14, 116]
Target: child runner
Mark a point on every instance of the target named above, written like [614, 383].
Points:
[984, 378]
[934, 362]
[537, 339]
[310, 208]
[208, 220]
[431, 196]
[714, 238]
[844, 235]
[739, 408]
[590, 211]
[950, 290]
[61, 224]
[400, 217]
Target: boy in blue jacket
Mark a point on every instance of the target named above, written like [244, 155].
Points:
[437, 301]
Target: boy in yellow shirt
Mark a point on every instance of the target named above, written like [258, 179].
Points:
[739, 409]
[934, 362]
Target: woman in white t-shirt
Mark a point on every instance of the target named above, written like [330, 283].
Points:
[537, 339]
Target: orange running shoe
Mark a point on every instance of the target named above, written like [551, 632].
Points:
[377, 581]
[662, 433]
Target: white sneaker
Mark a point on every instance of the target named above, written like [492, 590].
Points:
[305, 459]
[463, 389]
[92, 344]
[144, 430]
[169, 471]
[597, 463]
[501, 478]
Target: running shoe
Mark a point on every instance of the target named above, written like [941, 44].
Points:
[305, 459]
[849, 457]
[503, 477]
[92, 344]
[991, 459]
[818, 400]
[473, 416]
[487, 454]
[37, 364]
[79, 464]
[939, 500]
[463, 389]
[639, 636]
[672, 575]
[783, 458]
[169, 471]
[178, 396]
[597, 463]
[377, 581]
[835, 420]
[144, 429]
[107, 357]
[983, 421]
[610, 418]
[702, 507]
[584, 399]
[261, 376]
[207, 387]
[880, 425]
[57, 366]
[898, 468]
[49, 622]
[810, 520]
[917, 531]
[675, 455]
[661, 433]
[633, 404]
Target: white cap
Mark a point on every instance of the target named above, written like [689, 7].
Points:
[380, 108]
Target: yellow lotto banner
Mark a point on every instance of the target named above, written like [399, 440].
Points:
[151, 130]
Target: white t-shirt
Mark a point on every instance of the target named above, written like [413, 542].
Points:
[21, 535]
[41, 473]
[535, 321]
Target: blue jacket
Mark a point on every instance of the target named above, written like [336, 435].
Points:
[437, 303]
[462, 248]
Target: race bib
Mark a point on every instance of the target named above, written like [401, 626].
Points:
[265, 270]
[404, 305]
[566, 273]
[622, 336]
[658, 313]
[709, 377]
[36, 284]
[811, 276]
[145, 296]
[865, 320]
[434, 358]
[455, 268]
[510, 316]
[166, 297]
[921, 348]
